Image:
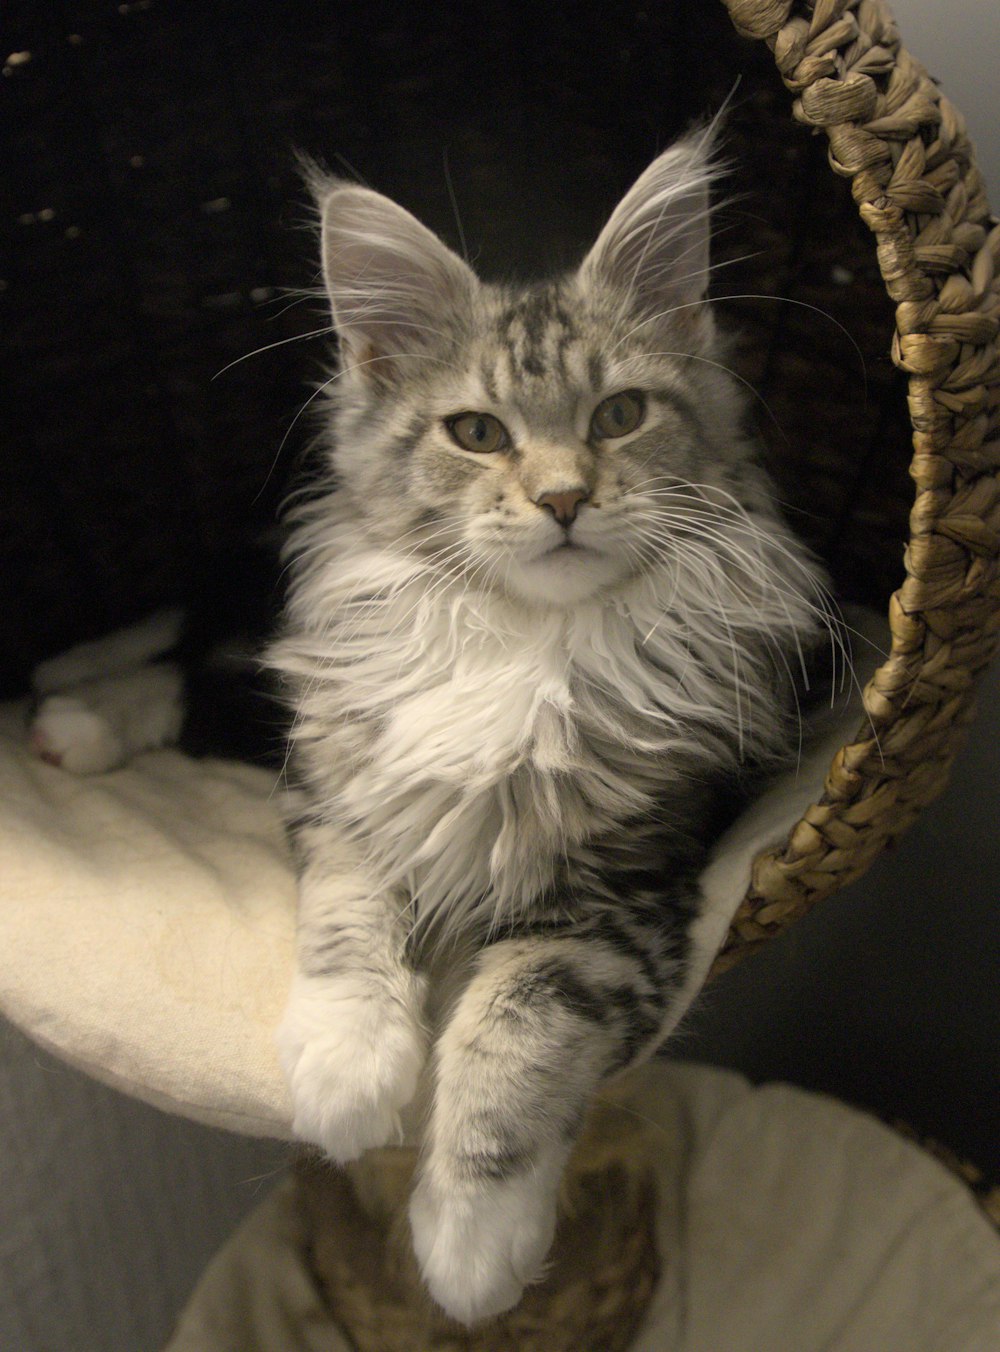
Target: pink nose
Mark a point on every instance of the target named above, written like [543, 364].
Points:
[563, 505]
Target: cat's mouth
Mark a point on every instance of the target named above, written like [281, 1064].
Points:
[567, 572]
[567, 549]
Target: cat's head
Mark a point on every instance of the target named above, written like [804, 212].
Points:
[543, 440]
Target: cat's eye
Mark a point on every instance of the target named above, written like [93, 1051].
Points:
[618, 415]
[478, 432]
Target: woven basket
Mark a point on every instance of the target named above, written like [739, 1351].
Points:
[600, 1276]
[913, 177]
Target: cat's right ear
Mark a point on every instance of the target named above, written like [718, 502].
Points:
[393, 285]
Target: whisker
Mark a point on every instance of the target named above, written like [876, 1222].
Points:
[721, 366]
[454, 204]
[824, 608]
[300, 295]
[750, 295]
[325, 385]
[296, 338]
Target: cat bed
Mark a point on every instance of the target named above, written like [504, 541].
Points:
[784, 1220]
[147, 918]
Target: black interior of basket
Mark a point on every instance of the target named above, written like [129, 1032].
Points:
[154, 233]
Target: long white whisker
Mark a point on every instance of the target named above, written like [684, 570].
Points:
[824, 608]
[325, 385]
[721, 366]
[296, 338]
[721, 300]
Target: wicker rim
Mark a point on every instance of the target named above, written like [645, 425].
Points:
[914, 178]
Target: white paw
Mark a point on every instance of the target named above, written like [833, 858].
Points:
[478, 1248]
[65, 732]
[352, 1060]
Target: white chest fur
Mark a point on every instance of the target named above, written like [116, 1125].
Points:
[471, 742]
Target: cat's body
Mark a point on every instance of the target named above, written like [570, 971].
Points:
[544, 617]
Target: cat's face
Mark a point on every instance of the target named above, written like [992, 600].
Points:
[541, 441]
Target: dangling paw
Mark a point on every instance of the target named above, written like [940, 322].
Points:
[478, 1246]
[352, 1059]
[65, 732]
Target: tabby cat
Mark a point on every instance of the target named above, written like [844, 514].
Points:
[544, 616]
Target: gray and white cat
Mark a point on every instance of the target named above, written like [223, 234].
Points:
[543, 618]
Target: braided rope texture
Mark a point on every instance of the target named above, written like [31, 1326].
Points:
[905, 149]
[601, 1273]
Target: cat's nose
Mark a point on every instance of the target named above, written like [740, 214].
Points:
[563, 506]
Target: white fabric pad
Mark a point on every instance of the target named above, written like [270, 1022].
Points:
[147, 927]
[147, 919]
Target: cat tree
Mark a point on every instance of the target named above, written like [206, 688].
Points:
[172, 996]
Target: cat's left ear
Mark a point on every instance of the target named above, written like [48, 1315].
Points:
[655, 247]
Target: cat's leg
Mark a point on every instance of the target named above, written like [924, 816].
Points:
[101, 702]
[352, 1041]
[544, 1020]
[100, 724]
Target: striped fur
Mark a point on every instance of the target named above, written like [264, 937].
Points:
[513, 731]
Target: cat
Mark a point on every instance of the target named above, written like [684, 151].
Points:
[544, 618]
[187, 675]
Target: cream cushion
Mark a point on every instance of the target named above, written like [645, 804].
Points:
[147, 919]
[147, 926]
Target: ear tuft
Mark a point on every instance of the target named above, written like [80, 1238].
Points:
[655, 247]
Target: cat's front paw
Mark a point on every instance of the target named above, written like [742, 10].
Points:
[352, 1059]
[479, 1247]
[65, 732]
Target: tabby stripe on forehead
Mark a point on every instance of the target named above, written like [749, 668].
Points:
[563, 344]
[595, 371]
[529, 360]
[544, 328]
[489, 379]
[558, 334]
[536, 315]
